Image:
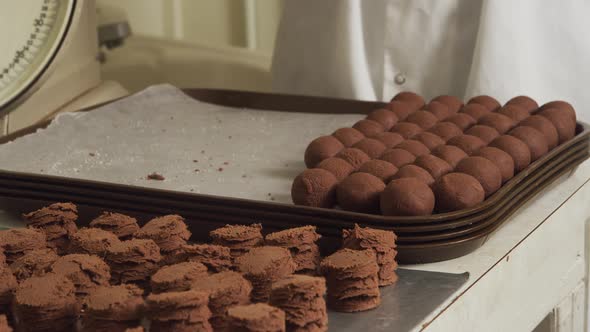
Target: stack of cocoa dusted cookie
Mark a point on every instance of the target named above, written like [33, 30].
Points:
[179, 311]
[169, 232]
[238, 238]
[113, 308]
[258, 317]
[215, 257]
[301, 242]
[57, 221]
[177, 277]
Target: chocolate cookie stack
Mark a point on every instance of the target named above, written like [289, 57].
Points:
[179, 311]
[2, 257]
[57, 221]
[259, 317]
[382, 242]
[8, 285]
[264, 265]
[226, 289]
[301, 297]
[169, 232]
[86, 272]
[133, 260]
[34, 263]
[4, 326]
[216, 258]
[17, 242]
[92, 241]
[301, 242]
[238, 238]
[119, 224]
[352, 279]
[177, 277]
[113, 308]
[46, 303]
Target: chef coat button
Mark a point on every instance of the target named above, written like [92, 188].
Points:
[400, 79]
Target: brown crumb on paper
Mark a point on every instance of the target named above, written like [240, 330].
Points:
[203, 151]
[220, 169]
[226, 163]
[92, 154]
[244, 176]
[195, 161]
[197, 170]
[156, 176]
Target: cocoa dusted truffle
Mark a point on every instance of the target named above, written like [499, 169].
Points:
[533, 138]
[424, 119]
[348, 136]
[515, 112]
[429, 139]
[57, 221]
[372, 147]
[440, 110]
[369, 127]
[314, 187]
[259, 317]
[485, 171]
[413, 171]
[169, 232]
[86, 272]
[388, 138]
[414, 147]
[457, 191]
[544, 126]
[398, 157]
[485, 133]
[453, 103]
[407, 197]
[321, 148]
[407, 129]
[488, 102]
[498, 121]
[516, 148]
[446, 130]
[121, 225]
[384, 116]
[467, 143]
[177, 277]
[525, 102]
[410, 98]
[449, 153]
[462, 120]
[476, 111]
[563, 122]
[434, 165]
[33, 263]
[380, 168]
[113, 308]
[500, 159]
[401, 109]
[354, 157]
[360, 192]
[338, 167]
[92, 241]
[561, 105]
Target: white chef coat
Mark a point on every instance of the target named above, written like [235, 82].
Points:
[372, 49]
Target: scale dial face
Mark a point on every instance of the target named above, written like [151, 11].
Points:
[31, 34]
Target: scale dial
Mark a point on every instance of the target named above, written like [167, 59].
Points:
[31, 33]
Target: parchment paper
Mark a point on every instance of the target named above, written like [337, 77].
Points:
[198, 147]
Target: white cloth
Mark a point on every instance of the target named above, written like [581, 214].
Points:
[365, 49]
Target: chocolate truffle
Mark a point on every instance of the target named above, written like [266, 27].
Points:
[259, 317]
[215, 257]
[16, 242]
[411, 98]
[301, 242]
[321, 148]
[449, 153]
[380, 168]
[515, 112]
[485, 133]
[4, 326]
[360, 192]
[457, 191]
[467, 143]
[33, 263]
[384, 116]
[533, 138]
[525, 102]
[453, 103]
[226, 289]
[440, 110]
[488, 102]
[414, 147]
[388, 138]
[177, 277]
[121, 225]
[372, 147]
[57, 221]
[498, 121]
[434, 165]
[563, 122]
[338, 167]
[302, 299]
[407, 197]
[516, 148]
[239, 238]
[86, 272]
[398, 157]
[476, 111]
[348, 136]
[485, 171]
[500, 158]
[413, 171]
[429, 139]
[113, 308]
[401, 109]
[264, 265]
[92, 241]
[406, 129]
[179, 311]
[8, 284]
[169, 232]
[446, 130]
[368, 127]
[133, 260]
[544, 126]
[561, 105]
[314, 187]
[354, 157]
[424, 119]
[462, 120]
